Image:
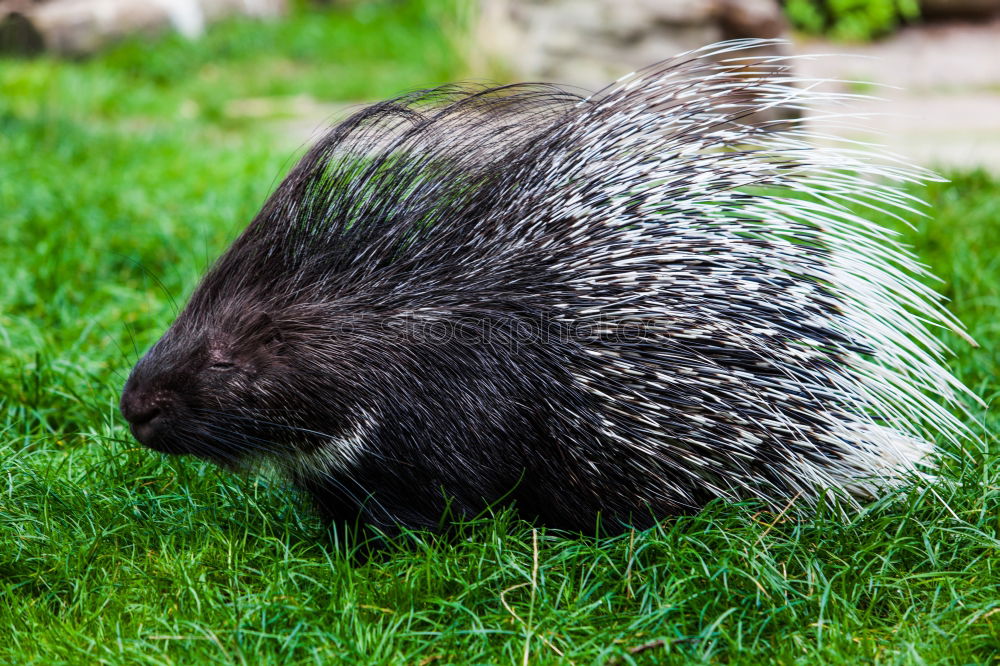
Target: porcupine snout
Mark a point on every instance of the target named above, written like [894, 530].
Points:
[157, 398]
[150, 415]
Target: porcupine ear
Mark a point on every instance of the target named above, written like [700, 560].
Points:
[266, 329]
[678, 156]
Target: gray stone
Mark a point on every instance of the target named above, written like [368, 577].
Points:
[589, 43]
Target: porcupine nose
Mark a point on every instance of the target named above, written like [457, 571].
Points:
[143, 414]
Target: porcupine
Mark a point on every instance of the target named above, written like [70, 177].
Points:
[617, 306]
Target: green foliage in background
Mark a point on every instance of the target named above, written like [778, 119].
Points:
[850, 20]
[367, 51]
[123, 176]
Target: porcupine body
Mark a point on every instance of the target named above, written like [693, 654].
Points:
[619, 306]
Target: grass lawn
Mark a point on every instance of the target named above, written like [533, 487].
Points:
[122, 177]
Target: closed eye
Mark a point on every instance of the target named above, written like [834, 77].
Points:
[222, 365]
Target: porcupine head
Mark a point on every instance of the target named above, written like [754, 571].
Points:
[622, 306]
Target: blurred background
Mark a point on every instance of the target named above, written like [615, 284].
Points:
[289, 66]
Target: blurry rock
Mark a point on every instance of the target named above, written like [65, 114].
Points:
[17, 34]
[588, 43]
[750, 18]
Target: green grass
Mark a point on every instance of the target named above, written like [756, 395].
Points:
[122, 177]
